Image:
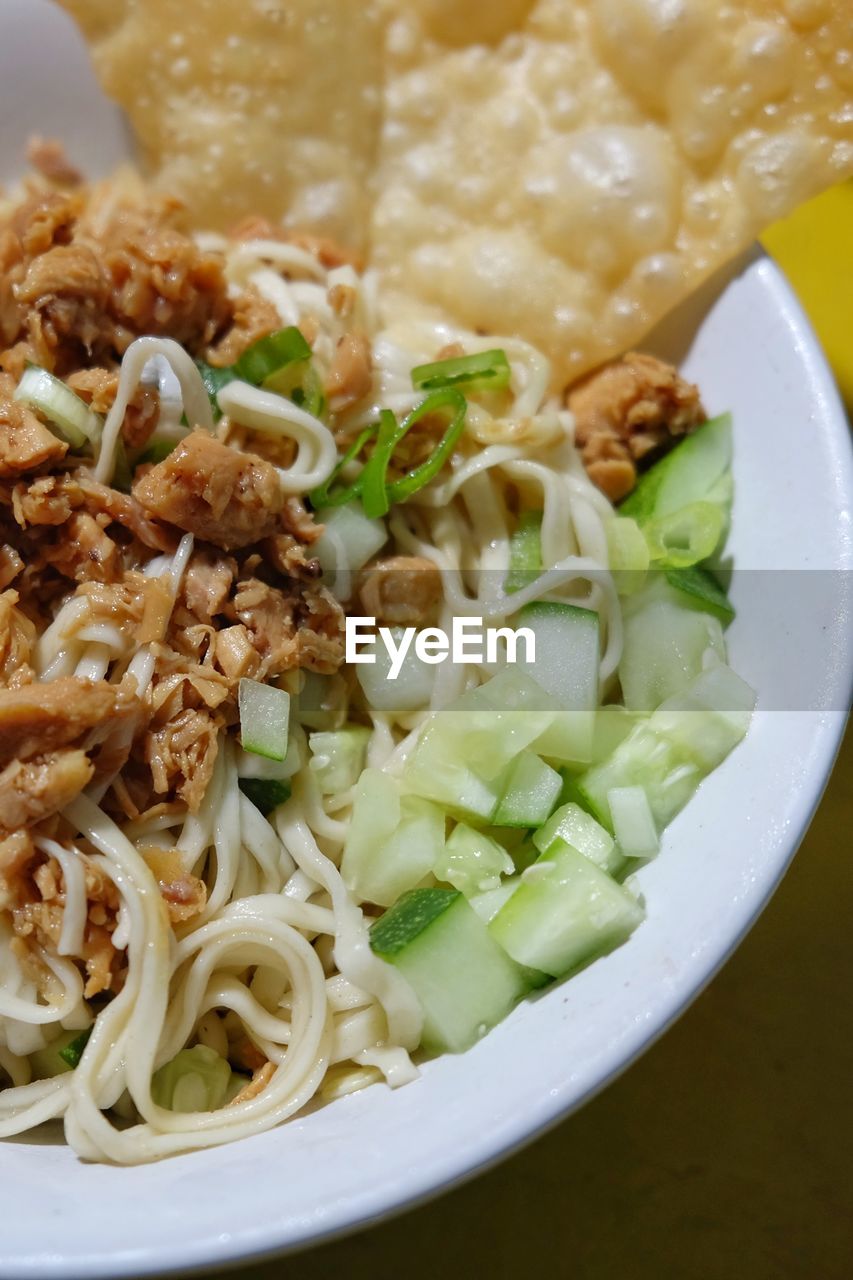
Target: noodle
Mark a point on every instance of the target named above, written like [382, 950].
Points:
[275, 962]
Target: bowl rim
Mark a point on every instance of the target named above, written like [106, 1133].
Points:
[256, 1243]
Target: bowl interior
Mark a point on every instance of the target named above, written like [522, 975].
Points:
[748, 345]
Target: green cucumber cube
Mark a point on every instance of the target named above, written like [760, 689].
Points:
[393, 841]
[565, 912]
[531, 791]
[463, 979]
[574, 826]
[472, 861]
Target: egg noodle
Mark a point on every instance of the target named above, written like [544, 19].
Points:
[281, 947]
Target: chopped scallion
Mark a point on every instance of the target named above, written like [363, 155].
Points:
[73, 1051]
[215, 377]
[327, 496]
[409, 484]
[483, 370]
[65, 413]
[266, 357]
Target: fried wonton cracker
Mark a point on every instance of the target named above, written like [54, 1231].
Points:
[248, 106]
[563, 170]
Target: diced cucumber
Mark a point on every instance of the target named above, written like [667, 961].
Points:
[663, 650]
[264, 716]
[196, 1079]
[393, 841]
[321, 702]
[525, 551]
[349, 538]
[488, 904]
[337, 758]
[670, 753]
[566, 911]
[574, 826]
[567, 653]
[687, 474]
[633, 822]
[409, 690]
[463, 979]
[566, 666]
[265, 794]
[472, 861]
[613, 723]
[530, 793]
[463, 752]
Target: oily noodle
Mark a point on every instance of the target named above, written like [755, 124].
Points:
[281, 949]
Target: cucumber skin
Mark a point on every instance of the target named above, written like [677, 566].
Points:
[410, 915]
[644, 502]
[462, 978]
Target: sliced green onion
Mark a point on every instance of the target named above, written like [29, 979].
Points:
[448, 398]
[63, 410]
[264, 717]
[269, 355]
[702, 586]
[122, 473]
[525, 552]
[300, 383]
[684, 537]
[265, 794]
[485, 369]
[374, 493]
[324, 495]
[73, 1051]
[215, 377]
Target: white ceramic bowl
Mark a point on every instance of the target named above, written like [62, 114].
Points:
[749, 346]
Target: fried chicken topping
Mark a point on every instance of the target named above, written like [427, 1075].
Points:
[627, 411]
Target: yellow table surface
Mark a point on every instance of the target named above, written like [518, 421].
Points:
[726, 1152]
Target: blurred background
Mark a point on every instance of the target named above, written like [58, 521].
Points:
[724, 1153]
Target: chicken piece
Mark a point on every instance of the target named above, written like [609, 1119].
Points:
[47, 156]
[626, 410]
[207, 584]
[25, 443]
[349, 378]
[299, 630]
[287, 557]
[33, 789]
[402, 590]
[181, 755]
[98, 388]
[38, 718]
[160, 281]
[185, 895]
[38, 904]
[11, 565]
[228, 498]
[17, 636]
[46, 219]
[85, 552]
[16, 853]
[236, 656]
[254, 317]
[67, 290]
